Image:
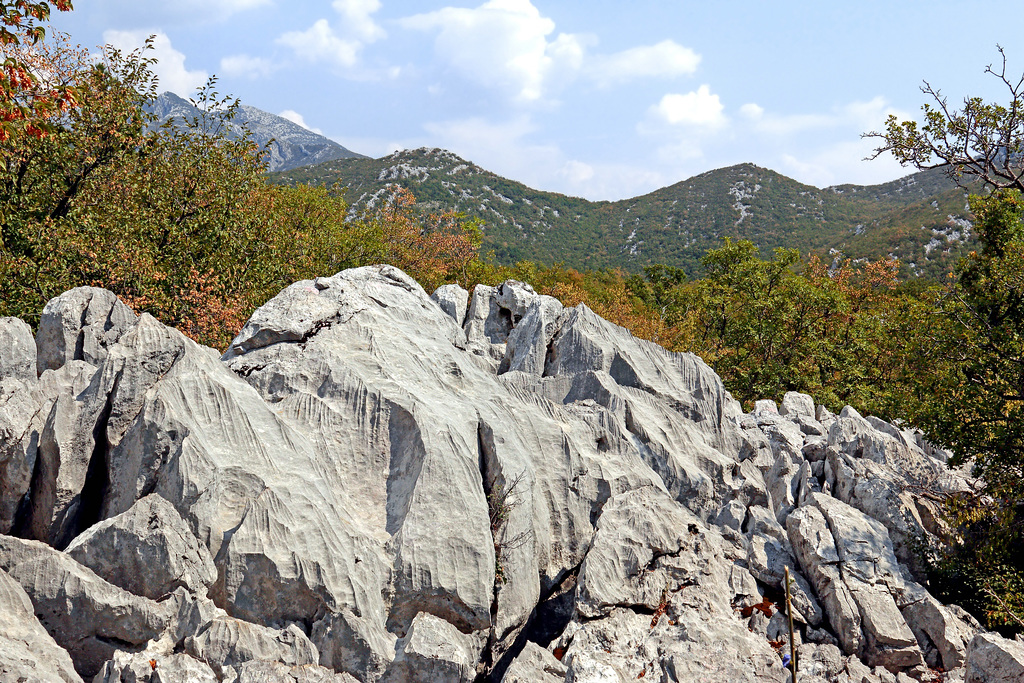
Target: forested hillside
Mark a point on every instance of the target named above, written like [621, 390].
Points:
[922, 219]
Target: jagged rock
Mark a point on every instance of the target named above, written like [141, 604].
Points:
[453, 300]
[515, 297]
[527, 345]
[60, 506]
[870, 573]
[226, 641]
[948, 628]
[816, 552]
[349, 644]
[487, 325]
[434, 651]
[87, 616]
[654, 596]
[150, 666]
[80, 324]
[767, 560]
[148, 550]
[794, 403]
[535, 665]
[992, 659]
[17, 351]
[21, 421]
[405, 486]
[27, 651]
[275, 672]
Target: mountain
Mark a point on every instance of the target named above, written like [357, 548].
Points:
[921, 219]
[291, 145]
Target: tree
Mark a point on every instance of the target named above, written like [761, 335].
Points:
[24, 97]
[982, 140]
[967, 388]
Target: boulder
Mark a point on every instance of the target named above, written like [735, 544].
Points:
[27, 651]
[17, 351]
[453, 300]
[154, 666]
[434, 651]
[947, 628]
[993, 659]
[275, 672]
[80, 324]
[226, 642]
[148, 550]
[535, 665]
[87, 616]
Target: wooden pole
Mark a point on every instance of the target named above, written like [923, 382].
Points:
[792, 642]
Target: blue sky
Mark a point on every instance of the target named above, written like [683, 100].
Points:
[594, 98]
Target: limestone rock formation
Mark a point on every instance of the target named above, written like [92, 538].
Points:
[373, 484]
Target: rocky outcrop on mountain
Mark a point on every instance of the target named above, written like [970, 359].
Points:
[288, 144]
[373, 484]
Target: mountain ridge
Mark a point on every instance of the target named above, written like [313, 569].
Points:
[921, 219]
[288, 144]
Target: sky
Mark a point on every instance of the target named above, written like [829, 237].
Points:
[593, 98]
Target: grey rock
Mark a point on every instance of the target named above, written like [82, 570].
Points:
[527, 346]
[993, 659]
[148, 550]
[66, 452]
[947, 627]
[21, 421]
[226, 642]
[434, 651]
[515, 297]
[453, 300]
[650, 554]
[535, 665]
[350, 644]
[17, 351]
[487, 324]
[154, 666]
[275, 672]
[816, 553]
[794, 403]
[87, 616]
[80, 324]
[27, 651]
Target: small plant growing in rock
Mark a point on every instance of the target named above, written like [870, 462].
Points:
[501, 501]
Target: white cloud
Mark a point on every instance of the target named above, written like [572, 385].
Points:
[506, 148]
[356, 16]
[860, 116]
[323, 43]
[246, 66]
[697, 108]
[666, 59]
[502, 43]
[752, 111]
[296, 117]
[170, 65]
[510, 46]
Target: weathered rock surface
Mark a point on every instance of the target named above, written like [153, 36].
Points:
[87, 616]
[80, 324]
[376, 485]
[992, 659]
[27, 651]
[17, 350]
[148, 550]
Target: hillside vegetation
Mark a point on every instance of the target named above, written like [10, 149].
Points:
[921, 219]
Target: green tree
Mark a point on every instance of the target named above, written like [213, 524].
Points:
[965, 389]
